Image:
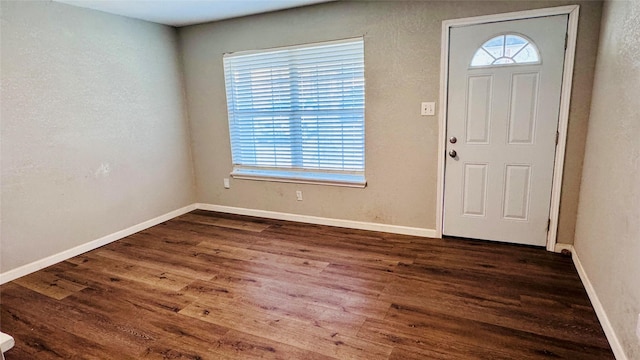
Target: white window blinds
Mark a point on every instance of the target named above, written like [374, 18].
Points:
[297, 113]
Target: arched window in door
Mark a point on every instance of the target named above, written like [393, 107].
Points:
[506, 49]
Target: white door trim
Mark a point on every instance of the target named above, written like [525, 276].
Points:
[565, 100]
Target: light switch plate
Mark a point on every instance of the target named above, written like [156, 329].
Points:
[226, 183]
[428, 109]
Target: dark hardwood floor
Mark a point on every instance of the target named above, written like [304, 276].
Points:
[215, 286]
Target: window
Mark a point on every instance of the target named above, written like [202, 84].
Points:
[296, 114]
[505, 50]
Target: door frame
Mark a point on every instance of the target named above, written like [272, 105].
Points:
[565, 101]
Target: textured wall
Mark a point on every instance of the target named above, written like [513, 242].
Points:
[608, 226]
[94, 134]
[402, 65]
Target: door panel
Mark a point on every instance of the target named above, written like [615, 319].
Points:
[524, 102]
[504, 118]
[516, 192]
[475, 189]
[478, 109]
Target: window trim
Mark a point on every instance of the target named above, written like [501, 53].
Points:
[344, 178]
[291, 47]
[324, 177]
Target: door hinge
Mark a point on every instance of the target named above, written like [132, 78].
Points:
[548, 225]
[566, 40]
[557, 136]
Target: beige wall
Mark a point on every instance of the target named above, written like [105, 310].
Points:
[94, 134]
[402, 64]
[608, 226]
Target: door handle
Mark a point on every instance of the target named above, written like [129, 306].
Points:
[453, 153]
[453, 140]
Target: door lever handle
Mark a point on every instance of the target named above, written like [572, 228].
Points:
[453, 153]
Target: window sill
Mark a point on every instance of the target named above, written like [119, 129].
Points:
[298, 177]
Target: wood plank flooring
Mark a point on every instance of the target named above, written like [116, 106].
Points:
[213, 286]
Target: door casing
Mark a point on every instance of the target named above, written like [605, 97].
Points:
[565, 101]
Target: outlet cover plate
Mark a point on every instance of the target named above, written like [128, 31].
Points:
[428, 109]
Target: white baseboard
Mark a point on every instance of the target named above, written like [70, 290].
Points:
[80, 249]
[360, 225]
[618, 351]
[559, 247]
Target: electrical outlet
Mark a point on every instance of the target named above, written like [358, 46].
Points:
[299, 195]
[428, 109]
[226, 183]
[638, 327]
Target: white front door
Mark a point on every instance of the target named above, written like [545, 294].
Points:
[503, 102]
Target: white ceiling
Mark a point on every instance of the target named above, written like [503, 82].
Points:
[187, 12]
